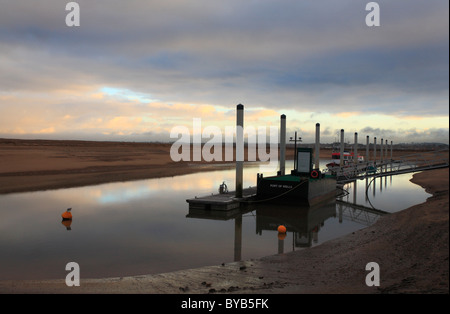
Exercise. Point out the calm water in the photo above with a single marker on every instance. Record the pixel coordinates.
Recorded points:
(145, 227)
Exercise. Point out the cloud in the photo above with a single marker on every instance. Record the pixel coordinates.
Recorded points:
(46, 130)
(347, 114)
(170, 61)
(417, 135)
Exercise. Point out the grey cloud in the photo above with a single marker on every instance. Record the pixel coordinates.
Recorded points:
(438, 135)
(305, 55)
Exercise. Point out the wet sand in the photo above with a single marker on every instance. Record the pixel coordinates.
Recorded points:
(33, 165)
(30, 165)
(411, 246)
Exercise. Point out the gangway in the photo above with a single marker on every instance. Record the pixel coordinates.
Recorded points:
(405, 164)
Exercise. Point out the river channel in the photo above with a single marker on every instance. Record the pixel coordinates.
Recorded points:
(146, 227)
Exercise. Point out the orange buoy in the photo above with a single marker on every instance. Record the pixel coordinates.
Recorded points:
(67, 215)
(281, 229)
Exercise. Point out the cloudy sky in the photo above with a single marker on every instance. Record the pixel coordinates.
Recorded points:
(135, 69)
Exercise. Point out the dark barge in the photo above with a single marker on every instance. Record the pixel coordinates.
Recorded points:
(305, 185)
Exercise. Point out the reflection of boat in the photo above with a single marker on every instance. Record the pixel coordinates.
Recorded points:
(303, 222)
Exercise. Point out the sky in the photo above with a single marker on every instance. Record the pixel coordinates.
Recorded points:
(134, 70)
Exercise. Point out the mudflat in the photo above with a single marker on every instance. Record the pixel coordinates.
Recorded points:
(31, 165)
(411, 246)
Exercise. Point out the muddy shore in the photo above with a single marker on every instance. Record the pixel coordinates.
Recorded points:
(34, 165)
(411, 246)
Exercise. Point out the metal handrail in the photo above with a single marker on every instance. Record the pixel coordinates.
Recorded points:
(406, 163)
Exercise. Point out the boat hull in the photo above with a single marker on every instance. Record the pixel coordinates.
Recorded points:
(295, 190)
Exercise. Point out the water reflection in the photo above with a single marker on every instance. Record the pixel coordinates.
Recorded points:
(146, 227)
(303, 223)
(67, 223)
(387, 193)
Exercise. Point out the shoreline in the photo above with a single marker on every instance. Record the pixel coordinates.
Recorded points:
(27, 165)
(35, 165)
(411, 247)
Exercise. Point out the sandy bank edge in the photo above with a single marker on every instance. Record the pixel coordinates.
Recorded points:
(410, 246)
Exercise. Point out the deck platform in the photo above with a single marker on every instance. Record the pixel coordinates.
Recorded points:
(226, 201)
